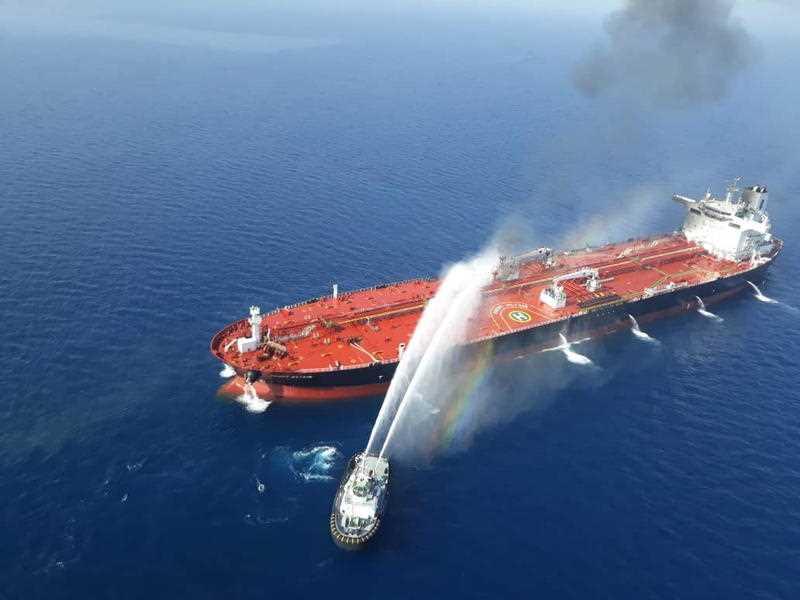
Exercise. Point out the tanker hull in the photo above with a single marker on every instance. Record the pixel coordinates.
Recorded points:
(373, 379)
(348, 345)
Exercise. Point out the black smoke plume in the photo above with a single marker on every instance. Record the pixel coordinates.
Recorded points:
(672, 53)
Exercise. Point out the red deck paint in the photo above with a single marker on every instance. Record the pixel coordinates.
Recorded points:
(366, 327)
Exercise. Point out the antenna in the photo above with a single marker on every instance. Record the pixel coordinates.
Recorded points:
(732, 188)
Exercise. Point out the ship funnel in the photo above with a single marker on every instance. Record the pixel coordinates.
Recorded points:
(755, 197)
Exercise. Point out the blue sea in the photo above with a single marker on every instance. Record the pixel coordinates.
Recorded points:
(163, 169)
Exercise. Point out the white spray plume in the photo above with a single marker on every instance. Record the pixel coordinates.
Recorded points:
(442, 325)
(434, 395)
(468, 279)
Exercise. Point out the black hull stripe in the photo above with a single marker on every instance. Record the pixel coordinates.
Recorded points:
(607, 318)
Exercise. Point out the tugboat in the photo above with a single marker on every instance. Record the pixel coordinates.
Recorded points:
(360, 501)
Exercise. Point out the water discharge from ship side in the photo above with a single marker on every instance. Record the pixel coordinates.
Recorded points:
(251, 400)
(701, 308)
(571, 355)
(639, 333)
(758, 295)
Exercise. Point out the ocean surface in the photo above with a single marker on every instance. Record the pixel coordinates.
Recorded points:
(158, 178)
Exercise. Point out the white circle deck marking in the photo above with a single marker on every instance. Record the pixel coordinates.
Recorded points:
(520, 316)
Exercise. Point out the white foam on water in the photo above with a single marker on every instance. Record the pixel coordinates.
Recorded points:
(252, 403)
(709, 315)
(135, 466)
(572, 356)
(315, 463)
(260, 486)
(639, 333)
(701, 308)
(256, 405)
(227, 372)
(759, 296)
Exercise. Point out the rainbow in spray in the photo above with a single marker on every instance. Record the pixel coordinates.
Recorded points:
(461, 416)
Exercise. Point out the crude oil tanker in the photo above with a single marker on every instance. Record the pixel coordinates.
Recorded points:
(347, 345)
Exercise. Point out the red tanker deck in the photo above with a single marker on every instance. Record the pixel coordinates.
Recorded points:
(366, 327)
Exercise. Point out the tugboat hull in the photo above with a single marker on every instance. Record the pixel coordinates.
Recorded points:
(351, 543)
(360, 502)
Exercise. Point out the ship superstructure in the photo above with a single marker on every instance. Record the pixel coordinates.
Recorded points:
(735, 227)
(349, 344)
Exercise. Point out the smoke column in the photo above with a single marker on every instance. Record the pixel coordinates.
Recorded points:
(672, 53)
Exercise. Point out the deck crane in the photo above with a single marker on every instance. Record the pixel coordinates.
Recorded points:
(554, 294)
